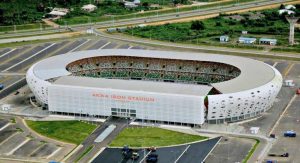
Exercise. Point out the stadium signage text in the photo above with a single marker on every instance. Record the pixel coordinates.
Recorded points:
(124, 98)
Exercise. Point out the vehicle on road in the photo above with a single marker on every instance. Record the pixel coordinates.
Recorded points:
(278, 155)
(289, 134)
(271, 161)
(1, 86)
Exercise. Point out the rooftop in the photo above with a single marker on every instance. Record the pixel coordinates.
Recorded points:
(135, 85)
(253, 73)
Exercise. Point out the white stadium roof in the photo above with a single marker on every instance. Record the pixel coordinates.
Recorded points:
(135, 85)
(253, 73)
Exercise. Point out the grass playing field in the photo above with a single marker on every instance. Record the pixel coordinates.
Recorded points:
(151, 136)
(67, 131)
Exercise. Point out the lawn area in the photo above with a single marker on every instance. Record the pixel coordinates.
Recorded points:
(67, 131)
(151, 136)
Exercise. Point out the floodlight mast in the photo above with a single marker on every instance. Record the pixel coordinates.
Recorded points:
(292, 21)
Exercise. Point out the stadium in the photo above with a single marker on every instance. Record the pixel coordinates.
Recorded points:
(155, 86)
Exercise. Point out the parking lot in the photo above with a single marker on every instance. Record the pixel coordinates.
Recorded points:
(19, 59)
(191, 153)
(18, 142)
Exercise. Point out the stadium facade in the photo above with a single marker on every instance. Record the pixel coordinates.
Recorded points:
(155, 86)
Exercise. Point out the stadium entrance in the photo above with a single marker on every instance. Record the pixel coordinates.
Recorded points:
(126, 113)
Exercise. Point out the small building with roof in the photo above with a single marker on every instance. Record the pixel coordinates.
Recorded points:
(247, 40)
(130, 5)
(224, 38)
(290, 7)
(89, 8)
(289, 12)
(267, 41)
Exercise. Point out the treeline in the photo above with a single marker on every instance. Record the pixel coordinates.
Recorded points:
(29, 11)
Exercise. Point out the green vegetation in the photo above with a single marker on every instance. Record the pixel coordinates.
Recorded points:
(251, 151)
(68, 131)
(19, 129)
(151, 136)
(12, 120)
(267, 24)
(86, 151)
(23, 27)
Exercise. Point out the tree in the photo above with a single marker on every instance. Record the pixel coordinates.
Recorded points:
(218, 24)
(197, 25)
(282, 7)
(145, 4)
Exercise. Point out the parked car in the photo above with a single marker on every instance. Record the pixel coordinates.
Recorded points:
(272, 136)
(135, 156)
(298, 91)
(290, 133)
(271, 161)
(152, 158)
(1, 86)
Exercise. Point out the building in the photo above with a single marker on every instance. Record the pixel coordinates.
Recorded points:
(267, 41)
(155, 86)
(59, 12)
(130, 4)
(224, 38)
(89, 8)
(290, 7)
(247, 40)
(289, 12)
(244, 32)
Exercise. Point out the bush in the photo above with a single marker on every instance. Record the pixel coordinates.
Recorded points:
(197, 25)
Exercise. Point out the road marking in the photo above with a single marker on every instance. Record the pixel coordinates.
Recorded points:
(145, 156)
(212, 149)
(28, 57)
(79, 45)
(2, 128)
(182, 153)
(275, 64)
(71, 154)
(9, 138)
(12, 74)
(53, 153)
(288, 69)
(97, 154)
(39, 147)
(7, 53)
(17, 147)
(11, 85)
(104, 45)
(282, 114)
